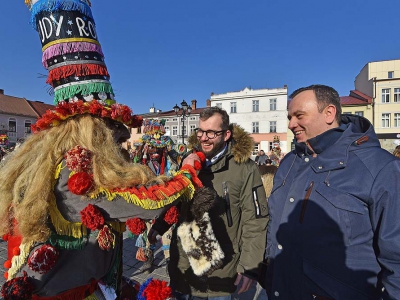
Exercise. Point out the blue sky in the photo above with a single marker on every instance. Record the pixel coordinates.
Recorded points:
(161, 52)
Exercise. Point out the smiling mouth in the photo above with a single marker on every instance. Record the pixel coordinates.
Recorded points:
(298, 132)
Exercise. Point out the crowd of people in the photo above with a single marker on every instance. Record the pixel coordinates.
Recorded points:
(302, 229)
(320, 222)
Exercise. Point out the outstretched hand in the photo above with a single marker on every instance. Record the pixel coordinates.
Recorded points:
(152, 236)
(246, 283)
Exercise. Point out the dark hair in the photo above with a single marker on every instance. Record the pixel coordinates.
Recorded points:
(325, 95)
(210, 111)
(396, 151)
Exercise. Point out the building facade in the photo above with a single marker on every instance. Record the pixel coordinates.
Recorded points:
(17, 115)
(380, 80)
(261, 112)
(176, 127)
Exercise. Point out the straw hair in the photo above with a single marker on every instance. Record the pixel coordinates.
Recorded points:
(27, 175)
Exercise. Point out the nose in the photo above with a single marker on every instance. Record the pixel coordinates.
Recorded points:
(203, 137)
(292, 124)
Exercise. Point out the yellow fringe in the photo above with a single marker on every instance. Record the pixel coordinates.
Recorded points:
(18, 261)
(91, 297)
(148, 203)
(28, 3)
(62, 226)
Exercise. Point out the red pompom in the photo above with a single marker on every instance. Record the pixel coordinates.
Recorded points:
(79, 159)
(202, 156)
(16, 251)
(106, 238)
(5, 237)
(43, 259)
(172, 215)
(6, 277)
(17, 288)
(7, 264)
(136, 226)
(197, 165)
(157, 290)
(91, 217)
(80, 183)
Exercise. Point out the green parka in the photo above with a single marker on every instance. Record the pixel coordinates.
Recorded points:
(243, 242)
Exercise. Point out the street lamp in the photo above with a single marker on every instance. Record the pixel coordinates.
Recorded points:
(183, 112)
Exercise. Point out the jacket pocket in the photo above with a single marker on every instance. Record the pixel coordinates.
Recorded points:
(353, 216)
(333, 286)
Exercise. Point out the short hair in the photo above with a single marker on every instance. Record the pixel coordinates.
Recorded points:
(210, 111)
(396, 151)
(325, 95)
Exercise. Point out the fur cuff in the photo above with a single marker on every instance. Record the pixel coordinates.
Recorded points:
(201, 246)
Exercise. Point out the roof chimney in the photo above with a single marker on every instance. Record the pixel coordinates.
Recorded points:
(1, 92)
(194, 101)
(208, 103)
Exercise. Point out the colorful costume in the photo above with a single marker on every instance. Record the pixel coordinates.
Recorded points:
(68, 193)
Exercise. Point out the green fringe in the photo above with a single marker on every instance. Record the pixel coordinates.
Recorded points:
(84, 89)
(66, 242)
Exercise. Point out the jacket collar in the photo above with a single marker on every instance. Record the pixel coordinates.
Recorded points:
(355, 133)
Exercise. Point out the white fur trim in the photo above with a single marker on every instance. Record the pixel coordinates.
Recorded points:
(189, 233)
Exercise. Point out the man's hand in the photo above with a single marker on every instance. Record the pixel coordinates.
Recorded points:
(246, 283)
(152, 236)
(190, 159)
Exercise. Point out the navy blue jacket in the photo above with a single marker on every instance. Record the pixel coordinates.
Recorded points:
(334, 228)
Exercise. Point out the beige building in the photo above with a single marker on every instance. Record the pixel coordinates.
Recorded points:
(380, 80)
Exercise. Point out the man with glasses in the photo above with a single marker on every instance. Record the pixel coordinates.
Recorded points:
(238, 217)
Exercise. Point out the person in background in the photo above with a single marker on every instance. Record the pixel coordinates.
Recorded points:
(257, 157)
(262, 158)
(335, 204)
(231, 225)
(396, 151)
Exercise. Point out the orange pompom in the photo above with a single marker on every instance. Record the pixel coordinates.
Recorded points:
(16, 251)
(7, 264)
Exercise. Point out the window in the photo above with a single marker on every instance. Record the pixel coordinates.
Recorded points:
(256, 149)
(397, 120)
(390, 74)
(139, 130)
(397, 95)
(28, 126)
(218, 105)
(272, 126)
(192, 118)
(166, 128)
(359, 113)
(255, 105)
(192, 127)
(272, 104)
(385, 95)
(175, 119)
(233, 107)
(385, 120)
(12, 125)
(255, 127)
(174, 130)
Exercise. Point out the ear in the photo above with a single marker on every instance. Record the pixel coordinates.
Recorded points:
(330, 114)
(228, 134)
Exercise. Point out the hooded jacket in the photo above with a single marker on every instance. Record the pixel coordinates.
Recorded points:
(243, 240)
(334, 230)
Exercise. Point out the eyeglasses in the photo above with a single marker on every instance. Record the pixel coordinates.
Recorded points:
(211, 134)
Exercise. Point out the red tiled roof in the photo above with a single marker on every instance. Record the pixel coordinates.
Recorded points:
(362, 96)
(39, 107)
(348, 100)
(16, 106)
